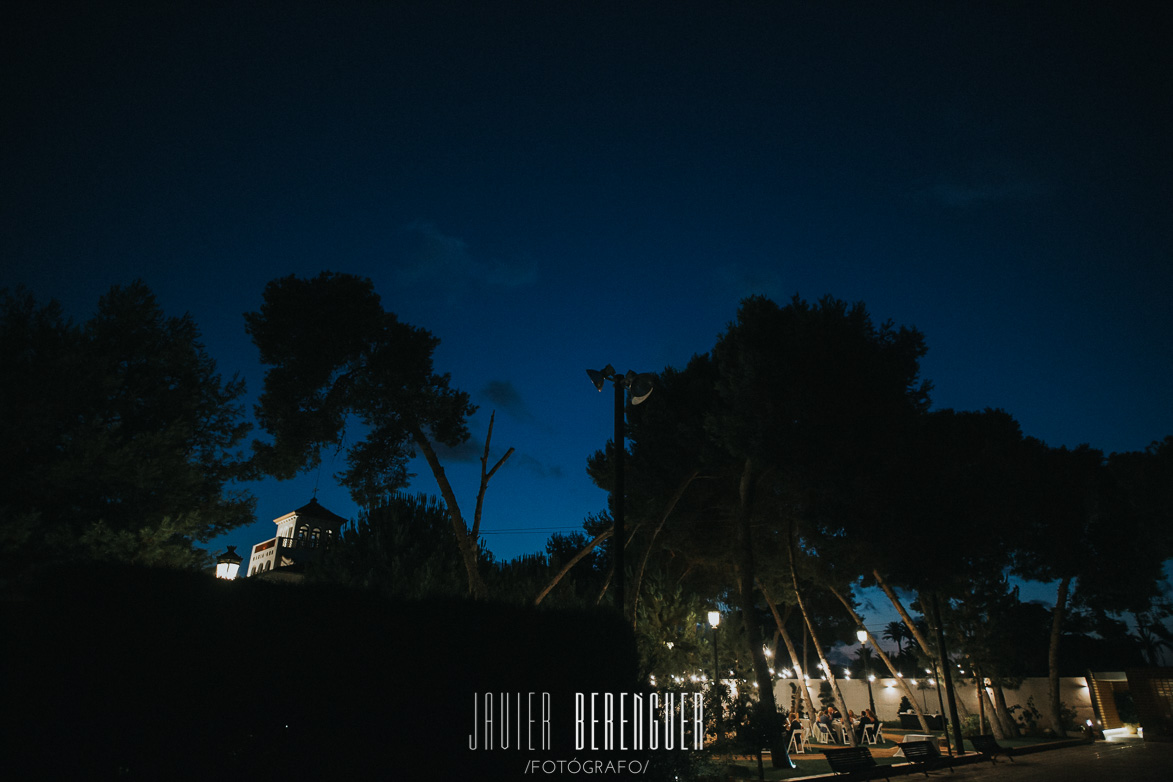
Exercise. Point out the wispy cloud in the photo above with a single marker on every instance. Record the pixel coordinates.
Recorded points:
(528, 463)
(739, 282)
(429, 255)
(468, 451)
(987, 182)
(503, 395)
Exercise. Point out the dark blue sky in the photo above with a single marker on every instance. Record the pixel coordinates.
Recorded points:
(554, 186)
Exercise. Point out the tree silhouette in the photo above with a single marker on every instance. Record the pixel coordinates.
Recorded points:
(334, 353)
(120, 438)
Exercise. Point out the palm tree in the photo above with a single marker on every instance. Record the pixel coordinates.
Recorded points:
(896, 632)
(1154, 636)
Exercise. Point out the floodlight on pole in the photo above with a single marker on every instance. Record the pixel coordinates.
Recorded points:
(640, 387)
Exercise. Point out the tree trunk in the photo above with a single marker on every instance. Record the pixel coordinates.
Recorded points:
(486, 474)
(643, 563)
(1009, 724)
(981, 701)
(946, 674)
(916, 636)
(1053, 704)
(767, 707)
(466, 544)
(840, 703)
(996, 727)
(900, 680)
(573, 561)
(913, 630)
(806, 695)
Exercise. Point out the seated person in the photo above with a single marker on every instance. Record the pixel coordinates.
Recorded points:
(865, 719)
(827, 719)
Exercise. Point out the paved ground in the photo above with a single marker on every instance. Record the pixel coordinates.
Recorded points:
(1104, 761)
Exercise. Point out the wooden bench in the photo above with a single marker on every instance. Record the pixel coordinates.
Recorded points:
(856, 762)
(989, 746)
(925, 755)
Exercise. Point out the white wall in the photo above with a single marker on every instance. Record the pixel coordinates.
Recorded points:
(1073, 692)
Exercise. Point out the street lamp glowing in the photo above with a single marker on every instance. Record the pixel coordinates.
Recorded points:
(862, 635)
(714, 618)
(228, 564)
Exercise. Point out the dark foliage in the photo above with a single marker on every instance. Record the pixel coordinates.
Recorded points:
(119, 438)
(161, 674)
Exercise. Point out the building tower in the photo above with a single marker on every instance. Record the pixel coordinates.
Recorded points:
(302, 536)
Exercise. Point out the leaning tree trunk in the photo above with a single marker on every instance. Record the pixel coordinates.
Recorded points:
(643, 563)
(466, 543)
(900, 680)
(767, 707)
(839, 701)
(946, 675)
(573, 561)
(996, 725)
(1054, 706)
(790, 648)
(916, 636)
(1009, 724)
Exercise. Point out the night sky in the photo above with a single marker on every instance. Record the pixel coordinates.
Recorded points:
(548, 187)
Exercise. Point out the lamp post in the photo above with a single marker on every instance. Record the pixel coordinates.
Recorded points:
(714, 620)
(228, 564)
(862, 635)
(641, 387)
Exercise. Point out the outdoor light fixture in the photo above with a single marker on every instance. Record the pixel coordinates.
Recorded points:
(228, 564)
(640, 386)
(862, 635)
(714, 620)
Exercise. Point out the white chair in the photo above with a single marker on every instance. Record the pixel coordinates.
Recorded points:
(871, 733)
(823, 733)
(798, 741)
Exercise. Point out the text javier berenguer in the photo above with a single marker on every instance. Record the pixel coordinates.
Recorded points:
(602, 721)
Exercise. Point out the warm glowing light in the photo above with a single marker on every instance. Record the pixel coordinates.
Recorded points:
(914, 682)
(933, 682)
(862, 635)
(227, 570)
(228, 564)
(714, 618)
(871, 677)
